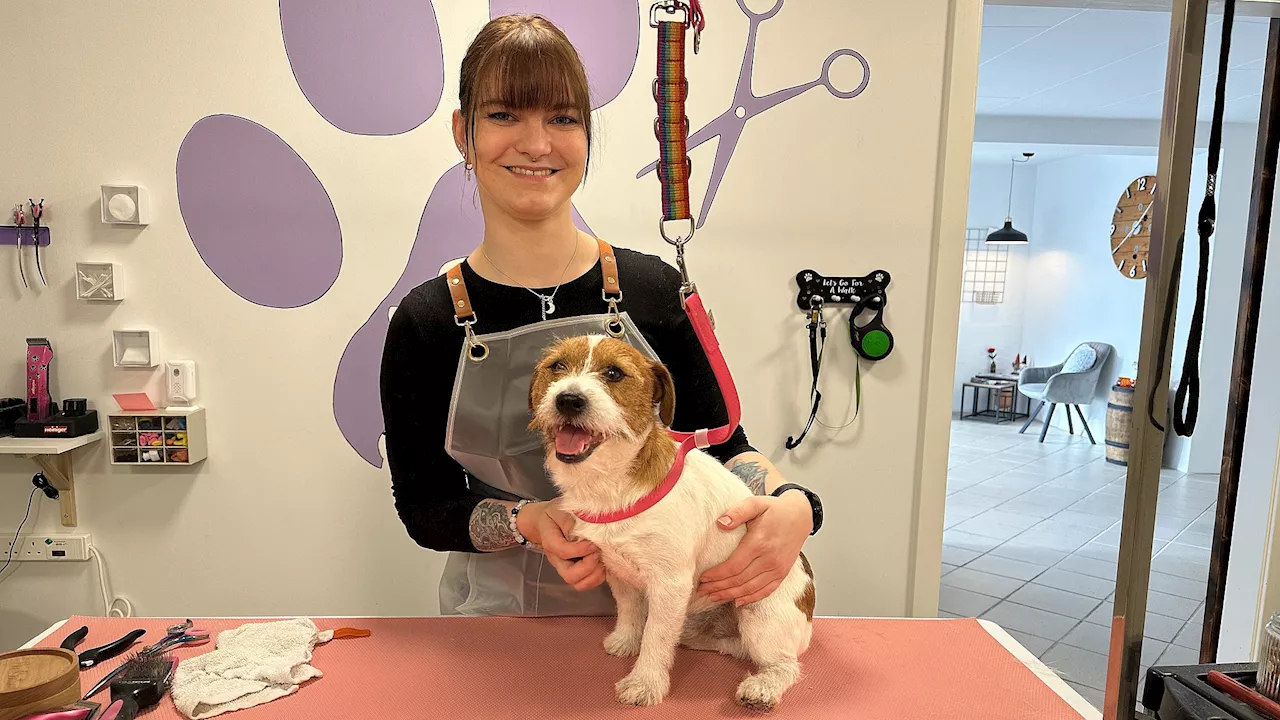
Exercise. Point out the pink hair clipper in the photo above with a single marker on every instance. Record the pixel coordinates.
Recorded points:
(39, 360)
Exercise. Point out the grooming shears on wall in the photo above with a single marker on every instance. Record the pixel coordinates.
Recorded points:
(20, 219)
(37, 212)
(746, 105)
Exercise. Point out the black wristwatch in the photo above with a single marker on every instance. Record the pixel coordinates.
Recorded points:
(814, 502)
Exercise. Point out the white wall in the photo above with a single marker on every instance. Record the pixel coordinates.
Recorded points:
(284, 518)
(1000, 325)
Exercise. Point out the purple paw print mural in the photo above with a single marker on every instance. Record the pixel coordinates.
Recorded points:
(259, 217)
(263, 223)
(369, 67)
(746, 104)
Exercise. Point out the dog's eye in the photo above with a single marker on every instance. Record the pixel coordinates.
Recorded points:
(559, 366)
(613, 374)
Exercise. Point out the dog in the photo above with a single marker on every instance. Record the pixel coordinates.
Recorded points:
(602, 409)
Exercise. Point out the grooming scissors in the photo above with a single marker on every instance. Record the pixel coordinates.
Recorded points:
(19, 219)
(37, 212)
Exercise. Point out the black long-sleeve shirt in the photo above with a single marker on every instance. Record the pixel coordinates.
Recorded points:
(420, 360)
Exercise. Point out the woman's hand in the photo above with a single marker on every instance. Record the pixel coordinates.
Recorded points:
(544, 524)
(776, 530)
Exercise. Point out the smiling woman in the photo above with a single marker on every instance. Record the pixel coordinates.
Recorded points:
(468, 474)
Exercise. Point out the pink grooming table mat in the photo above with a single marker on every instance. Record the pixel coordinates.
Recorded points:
(451, 668)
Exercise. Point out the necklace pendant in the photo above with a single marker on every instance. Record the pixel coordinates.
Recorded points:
(548, 305)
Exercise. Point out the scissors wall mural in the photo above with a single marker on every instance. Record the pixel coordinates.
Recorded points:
(384, 75)
(746, 104)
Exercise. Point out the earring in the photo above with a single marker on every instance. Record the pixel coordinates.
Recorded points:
(466, 171)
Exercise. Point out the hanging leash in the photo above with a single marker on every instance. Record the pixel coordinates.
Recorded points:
(1187, 398)
(673, 18)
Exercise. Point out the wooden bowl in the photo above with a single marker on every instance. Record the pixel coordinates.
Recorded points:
(36, 680)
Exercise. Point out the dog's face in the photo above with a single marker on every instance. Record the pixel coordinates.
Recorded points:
(590, 390)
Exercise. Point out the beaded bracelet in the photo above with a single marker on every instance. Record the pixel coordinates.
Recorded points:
(515, 530)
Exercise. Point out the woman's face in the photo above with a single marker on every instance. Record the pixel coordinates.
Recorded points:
(528, 163)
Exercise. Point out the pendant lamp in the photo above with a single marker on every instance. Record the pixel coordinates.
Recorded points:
(1007, 235)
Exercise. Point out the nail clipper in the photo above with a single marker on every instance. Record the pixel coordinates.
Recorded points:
(37, 212)
(19, 219)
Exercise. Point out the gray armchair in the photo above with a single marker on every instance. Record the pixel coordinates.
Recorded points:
(1069, 383)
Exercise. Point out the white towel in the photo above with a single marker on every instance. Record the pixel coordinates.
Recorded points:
(253, 664)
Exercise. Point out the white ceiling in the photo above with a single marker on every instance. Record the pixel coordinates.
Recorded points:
(1101, 63)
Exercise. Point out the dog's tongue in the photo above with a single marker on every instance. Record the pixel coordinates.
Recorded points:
(572, 440)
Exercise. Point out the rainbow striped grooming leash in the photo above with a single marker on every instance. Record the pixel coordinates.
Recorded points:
(673, 18)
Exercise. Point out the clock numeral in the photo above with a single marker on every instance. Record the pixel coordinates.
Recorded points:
(1113, 228)
(1133, 271)
(1142, 183)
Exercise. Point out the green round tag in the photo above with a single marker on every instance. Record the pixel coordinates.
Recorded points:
(875, 343)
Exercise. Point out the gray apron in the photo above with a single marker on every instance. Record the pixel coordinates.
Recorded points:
(488, 435)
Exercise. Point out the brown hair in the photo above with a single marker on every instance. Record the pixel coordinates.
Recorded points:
(523, 62)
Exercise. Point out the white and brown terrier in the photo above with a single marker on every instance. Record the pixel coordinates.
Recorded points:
(602, 408)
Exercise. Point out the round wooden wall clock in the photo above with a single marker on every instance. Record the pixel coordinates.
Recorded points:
(1131, 227)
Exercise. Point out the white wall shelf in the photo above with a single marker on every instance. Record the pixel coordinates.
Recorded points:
(53, 455)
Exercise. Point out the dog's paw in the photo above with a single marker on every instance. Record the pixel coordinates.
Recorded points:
(642, 689)
(756, 692)
(622, 644)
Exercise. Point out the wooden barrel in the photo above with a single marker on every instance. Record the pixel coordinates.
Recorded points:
(32, 681)
(1119, 417)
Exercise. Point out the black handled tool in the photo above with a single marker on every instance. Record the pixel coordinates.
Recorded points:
(93, 656)
(75, 638)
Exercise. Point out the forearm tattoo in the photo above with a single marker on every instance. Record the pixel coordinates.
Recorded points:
(490, 527)
(753, 475)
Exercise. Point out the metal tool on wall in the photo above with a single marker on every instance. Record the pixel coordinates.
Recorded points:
(37, 212)
(871, 339)
(19, 234)
(20, 219)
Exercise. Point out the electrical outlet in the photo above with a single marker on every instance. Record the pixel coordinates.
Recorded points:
(45, 548)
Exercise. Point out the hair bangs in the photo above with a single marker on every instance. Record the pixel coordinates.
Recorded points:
(528, 72)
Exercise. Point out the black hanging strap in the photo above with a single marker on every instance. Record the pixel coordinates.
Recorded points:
(817, 344)
(1187, 397)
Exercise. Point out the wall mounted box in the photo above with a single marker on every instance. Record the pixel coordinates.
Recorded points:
(135, 348)
(100, 281)
(125, 205)
(157, 437)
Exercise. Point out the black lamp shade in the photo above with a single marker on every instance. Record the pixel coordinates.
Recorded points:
(1007, 235)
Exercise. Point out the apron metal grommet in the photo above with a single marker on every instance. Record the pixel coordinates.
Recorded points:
(478, 352)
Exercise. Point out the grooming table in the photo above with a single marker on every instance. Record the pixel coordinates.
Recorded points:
(451, 667)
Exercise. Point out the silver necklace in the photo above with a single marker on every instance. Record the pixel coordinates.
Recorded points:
(548, 301)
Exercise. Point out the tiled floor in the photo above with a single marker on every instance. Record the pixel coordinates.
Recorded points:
(1031, 541)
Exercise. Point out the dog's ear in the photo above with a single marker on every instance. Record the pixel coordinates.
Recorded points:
(535, 381)
(664, 393)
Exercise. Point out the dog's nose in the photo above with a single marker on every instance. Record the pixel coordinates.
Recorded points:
(571, 403)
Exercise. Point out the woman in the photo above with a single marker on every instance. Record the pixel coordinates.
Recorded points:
(461, 456)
